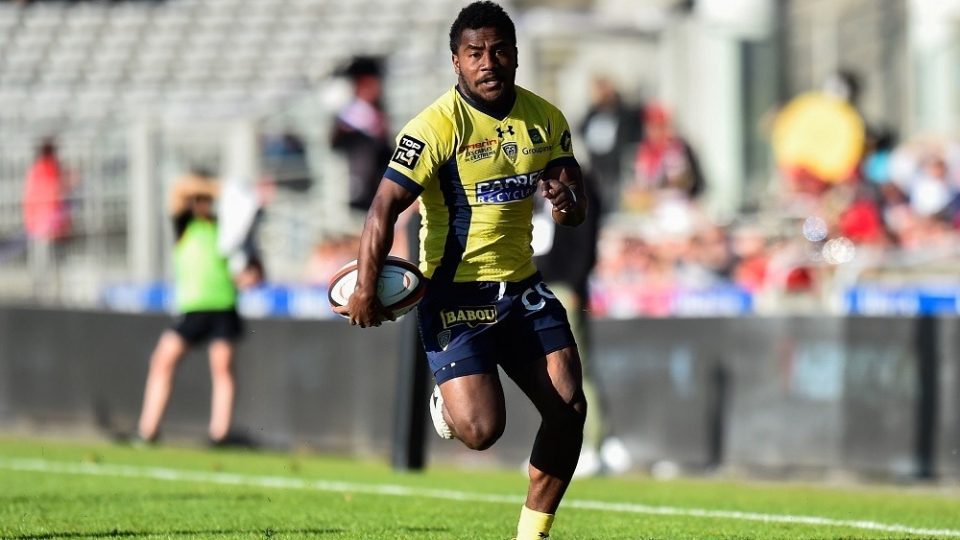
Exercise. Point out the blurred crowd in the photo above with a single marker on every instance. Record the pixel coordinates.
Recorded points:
(855, 194)
(843, 194)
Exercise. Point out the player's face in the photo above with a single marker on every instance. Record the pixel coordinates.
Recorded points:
(486, 64)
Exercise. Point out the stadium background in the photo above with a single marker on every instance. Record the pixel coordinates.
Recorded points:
(855, 374)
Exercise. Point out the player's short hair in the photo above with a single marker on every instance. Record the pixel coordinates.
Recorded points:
(478, 15)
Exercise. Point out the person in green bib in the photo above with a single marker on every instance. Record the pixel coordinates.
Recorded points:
(206, 298)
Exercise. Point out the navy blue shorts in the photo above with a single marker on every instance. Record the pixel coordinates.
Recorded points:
(469, 328)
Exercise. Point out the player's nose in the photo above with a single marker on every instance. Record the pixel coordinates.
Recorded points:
(488, 60)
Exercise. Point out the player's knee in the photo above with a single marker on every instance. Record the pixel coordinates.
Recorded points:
(575, 413)
(480, 435)
(570, 416)
(579, 408)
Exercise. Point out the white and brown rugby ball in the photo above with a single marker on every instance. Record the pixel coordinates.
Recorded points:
(400, 287)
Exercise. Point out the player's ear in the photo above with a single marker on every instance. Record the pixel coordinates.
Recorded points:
(456, 64)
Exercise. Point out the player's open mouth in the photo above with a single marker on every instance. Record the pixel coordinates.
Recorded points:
(490, 84)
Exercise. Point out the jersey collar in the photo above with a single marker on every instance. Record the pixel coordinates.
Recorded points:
(485, 109)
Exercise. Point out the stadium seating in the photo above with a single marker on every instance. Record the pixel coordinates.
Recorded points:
(84, 71)
(84, 67)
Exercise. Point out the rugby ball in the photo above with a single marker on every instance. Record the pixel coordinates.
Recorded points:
(400, 287)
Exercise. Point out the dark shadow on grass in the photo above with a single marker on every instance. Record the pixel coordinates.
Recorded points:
(424, 529)
(116, 533)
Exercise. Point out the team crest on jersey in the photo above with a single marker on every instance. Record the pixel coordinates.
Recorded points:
(443, 339)
(408, 152)
(510, 149)
(472, 316)
(535, 136)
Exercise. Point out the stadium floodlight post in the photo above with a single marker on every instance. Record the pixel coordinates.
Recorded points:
(410, 414)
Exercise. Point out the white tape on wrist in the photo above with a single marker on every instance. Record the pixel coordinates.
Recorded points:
(572, 195)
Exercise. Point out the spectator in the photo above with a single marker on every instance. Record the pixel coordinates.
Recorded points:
(752, 258)
(206, 298)
(608, 129)
(862, 221)
(710, 255)
(46, 212)
(877, 162)
(46, 218)
(931, 191)
(664, 160)
(360, 132)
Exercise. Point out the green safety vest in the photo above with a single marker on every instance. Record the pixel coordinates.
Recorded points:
(202, 278)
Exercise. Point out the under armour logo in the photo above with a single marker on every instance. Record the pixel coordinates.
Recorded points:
(500, 131)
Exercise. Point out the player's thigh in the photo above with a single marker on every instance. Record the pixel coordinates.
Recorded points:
(475, 400)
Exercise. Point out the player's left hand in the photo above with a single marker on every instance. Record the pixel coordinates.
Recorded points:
(559, 194)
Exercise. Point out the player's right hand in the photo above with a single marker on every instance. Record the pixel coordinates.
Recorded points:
(364, 309)
(560, 195)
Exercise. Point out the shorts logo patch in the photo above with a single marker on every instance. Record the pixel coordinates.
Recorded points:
(408, 152)
(510, 149)
(443, 339)
(535, 137)
(535, 298)
(472, 316)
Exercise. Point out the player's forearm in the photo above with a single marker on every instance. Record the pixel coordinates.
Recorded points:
(375, 244)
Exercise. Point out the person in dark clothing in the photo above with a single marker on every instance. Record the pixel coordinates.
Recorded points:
(608, 130)
(361, 132)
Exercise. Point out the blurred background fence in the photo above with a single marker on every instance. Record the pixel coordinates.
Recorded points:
(778, 396)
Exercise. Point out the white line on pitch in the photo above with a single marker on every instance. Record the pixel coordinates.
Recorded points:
(160, 473)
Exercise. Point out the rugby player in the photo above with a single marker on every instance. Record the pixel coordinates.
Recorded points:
(476, 158)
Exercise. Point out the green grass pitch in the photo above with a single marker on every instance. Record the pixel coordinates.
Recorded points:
(59, 490)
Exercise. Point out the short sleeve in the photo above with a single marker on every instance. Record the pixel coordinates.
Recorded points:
(421, 150)
(561, 142)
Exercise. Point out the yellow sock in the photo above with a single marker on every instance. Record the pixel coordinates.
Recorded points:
(533, 525)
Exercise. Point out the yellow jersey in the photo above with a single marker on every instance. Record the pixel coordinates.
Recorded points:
(476, 175)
